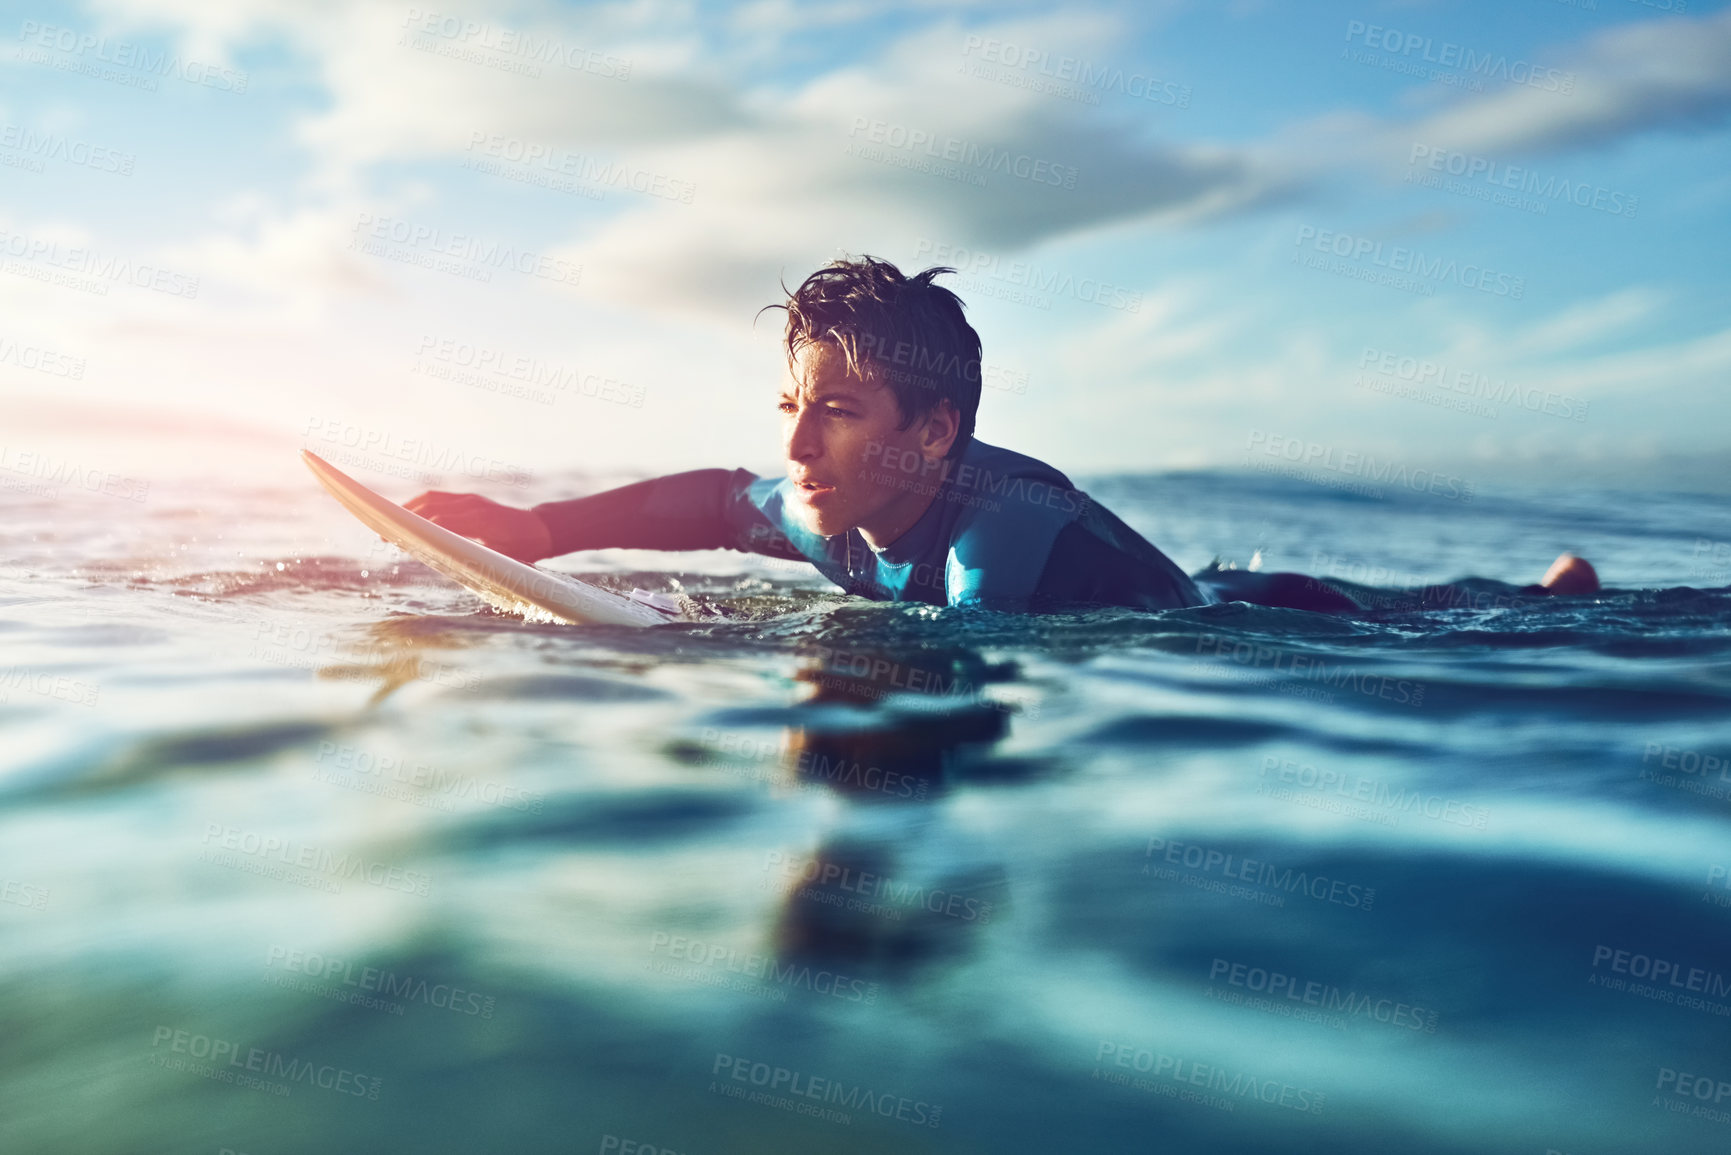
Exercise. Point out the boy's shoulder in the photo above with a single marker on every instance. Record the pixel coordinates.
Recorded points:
(1008, 487)
(1013, 508)
(982, 457)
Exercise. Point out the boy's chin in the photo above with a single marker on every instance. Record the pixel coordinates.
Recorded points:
(823, 522)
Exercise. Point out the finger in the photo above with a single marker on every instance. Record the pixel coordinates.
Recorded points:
(444, 504)
(446, 501)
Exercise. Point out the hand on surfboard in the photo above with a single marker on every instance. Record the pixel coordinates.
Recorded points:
(517, 533)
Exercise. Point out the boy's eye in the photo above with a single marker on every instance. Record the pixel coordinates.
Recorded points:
(787, 407)
(840, 412)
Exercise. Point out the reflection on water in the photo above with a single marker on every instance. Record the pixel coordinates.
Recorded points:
(858, 898)
(393, 652)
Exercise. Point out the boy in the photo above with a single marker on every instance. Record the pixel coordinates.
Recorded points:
(888, 493)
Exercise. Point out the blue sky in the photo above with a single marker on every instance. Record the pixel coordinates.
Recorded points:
(1352, 227)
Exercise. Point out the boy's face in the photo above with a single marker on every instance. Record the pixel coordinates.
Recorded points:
(849, 464)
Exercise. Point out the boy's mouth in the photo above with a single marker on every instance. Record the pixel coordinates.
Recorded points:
(812, 490)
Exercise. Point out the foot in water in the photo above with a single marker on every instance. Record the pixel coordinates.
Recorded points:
(1570, 575)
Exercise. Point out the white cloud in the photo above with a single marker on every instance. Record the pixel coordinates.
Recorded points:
(875, 157)
(1589, 322)
(777, 188)
(1699, 363)
(1669, 73)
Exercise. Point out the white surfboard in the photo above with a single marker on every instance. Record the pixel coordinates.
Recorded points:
(504, 582)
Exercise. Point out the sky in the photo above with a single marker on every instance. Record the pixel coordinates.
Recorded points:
(1488, 238)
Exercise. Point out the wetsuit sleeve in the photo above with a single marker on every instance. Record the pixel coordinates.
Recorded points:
(1293, 591)
(701, 509)
(1296, 591)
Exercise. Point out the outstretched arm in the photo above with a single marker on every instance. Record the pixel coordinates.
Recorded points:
(517, 533)
(680, 511)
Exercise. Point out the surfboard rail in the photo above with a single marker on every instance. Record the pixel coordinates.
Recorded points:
(502, 581)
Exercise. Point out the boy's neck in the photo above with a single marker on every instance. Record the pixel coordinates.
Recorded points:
(900, 516)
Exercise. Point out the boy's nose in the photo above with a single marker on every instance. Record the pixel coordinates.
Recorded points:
(803, 439)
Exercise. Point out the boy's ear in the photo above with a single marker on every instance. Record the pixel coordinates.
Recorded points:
(942, 425)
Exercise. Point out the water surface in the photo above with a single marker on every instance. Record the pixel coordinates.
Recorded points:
(307, 850)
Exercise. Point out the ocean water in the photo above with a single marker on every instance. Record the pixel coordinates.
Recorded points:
(305, 850)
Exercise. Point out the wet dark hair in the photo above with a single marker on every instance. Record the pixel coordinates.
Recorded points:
(908, 331)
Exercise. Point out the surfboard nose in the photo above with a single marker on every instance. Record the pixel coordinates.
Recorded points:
(324, 471)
